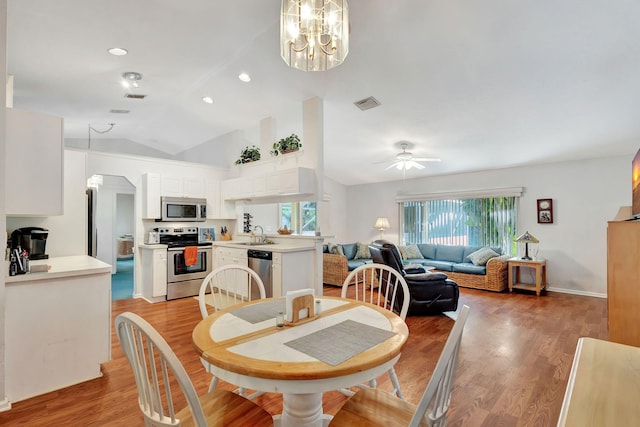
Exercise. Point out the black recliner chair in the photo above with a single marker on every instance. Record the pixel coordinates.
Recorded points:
(431, 293)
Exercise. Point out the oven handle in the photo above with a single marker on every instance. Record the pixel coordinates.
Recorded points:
(200, 249)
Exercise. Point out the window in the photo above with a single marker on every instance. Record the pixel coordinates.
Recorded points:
(487, 221)
(298, 216)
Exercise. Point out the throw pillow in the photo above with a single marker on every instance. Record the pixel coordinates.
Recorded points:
(482, 255)
(363, 251)
(413, 252)
(335, 249)
(403, 252)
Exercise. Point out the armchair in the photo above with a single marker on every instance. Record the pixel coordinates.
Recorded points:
(430, 293)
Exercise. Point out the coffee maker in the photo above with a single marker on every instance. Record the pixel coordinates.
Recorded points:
(31, 239)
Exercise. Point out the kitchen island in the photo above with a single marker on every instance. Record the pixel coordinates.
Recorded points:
(296, 262)
(58, 325)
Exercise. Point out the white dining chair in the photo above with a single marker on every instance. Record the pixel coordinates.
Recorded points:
(383, 286)
(373, 407)
(228, 285)
(157, 369)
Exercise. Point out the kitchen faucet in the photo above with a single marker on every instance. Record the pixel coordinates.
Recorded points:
(261, 233)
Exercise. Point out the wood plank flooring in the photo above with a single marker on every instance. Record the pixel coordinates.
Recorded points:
(515, 360)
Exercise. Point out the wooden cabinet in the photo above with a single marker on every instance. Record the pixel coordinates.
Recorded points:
(153, 260)
(33, 164)
(623, 281)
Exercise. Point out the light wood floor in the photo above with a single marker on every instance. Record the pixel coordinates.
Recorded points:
(515, 359)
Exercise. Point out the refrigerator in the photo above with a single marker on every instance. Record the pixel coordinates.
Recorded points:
(92, 231)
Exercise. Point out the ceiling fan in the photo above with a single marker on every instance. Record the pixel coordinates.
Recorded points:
(405, 160)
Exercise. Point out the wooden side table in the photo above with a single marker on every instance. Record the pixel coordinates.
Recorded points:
(540, 267)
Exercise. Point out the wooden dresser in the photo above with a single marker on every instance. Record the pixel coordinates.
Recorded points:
(623, 281)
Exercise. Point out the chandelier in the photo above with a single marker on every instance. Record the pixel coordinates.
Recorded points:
(314, 34)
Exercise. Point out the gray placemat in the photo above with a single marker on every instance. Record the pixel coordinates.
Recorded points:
(340, 342)
(260, 312)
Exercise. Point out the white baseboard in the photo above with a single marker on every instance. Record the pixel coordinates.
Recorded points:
(574, 292)
(5, 405)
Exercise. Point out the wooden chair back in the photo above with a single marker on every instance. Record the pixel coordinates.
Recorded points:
(228, 285)
(380, 285)
(155, 368)
(436, 398)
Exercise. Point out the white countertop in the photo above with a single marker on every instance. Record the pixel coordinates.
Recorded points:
(153, 246)
(275, 247)
(78, 265)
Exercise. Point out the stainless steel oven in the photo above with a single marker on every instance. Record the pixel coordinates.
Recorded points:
(184, 280)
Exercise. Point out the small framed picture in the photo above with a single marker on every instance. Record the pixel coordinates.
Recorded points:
(545, 211)
(206, 234)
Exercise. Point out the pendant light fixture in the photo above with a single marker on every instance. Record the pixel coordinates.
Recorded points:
(314, 34)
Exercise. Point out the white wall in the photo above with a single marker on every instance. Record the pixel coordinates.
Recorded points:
(586, 194)
(334, 221)
(4, 405)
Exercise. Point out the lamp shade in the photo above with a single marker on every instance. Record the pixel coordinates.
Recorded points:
(382, 223)
(527, 238)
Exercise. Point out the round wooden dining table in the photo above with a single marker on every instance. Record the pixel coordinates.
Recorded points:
(301, 361)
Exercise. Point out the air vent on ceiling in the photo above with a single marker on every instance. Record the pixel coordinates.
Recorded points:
(134, 96)
(117, 111)
(367, 103)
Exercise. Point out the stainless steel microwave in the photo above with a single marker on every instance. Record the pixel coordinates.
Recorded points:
(183, 209)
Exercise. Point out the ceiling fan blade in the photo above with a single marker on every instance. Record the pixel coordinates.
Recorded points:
(426, 159)
(394, 164)
(411, 164)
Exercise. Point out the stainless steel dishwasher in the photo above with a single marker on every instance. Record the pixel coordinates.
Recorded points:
(260, 262)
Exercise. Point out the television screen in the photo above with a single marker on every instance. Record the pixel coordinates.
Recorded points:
(635, 185)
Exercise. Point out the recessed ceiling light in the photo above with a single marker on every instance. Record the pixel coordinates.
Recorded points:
(118, 51)
(244, 77)
(207, 99)
(130, 79)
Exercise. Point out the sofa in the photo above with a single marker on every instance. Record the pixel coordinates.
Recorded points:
(453, 260)
(457, 262)
(338, 260)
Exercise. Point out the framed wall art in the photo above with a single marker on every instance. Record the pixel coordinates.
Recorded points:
(545, 211)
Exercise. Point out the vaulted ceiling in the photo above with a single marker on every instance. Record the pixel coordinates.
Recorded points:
(481, 85)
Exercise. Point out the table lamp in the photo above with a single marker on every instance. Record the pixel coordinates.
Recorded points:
(381, 224)
(527, 238)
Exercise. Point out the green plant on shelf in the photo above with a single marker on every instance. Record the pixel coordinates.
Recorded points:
(286, 145)
(249, 154)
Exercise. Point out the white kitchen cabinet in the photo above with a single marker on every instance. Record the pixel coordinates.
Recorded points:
(178, 186)
(295, 271)
(217, 207)
(58, 326)
(34, 164)
(297, 181)
(153, 259)
(225, 255)
(234, 256)
(151, 196)
(294, 181)
(236, 188)
(276, 274)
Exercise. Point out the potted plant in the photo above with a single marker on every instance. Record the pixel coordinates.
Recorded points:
(286, 145)
(249, 155)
